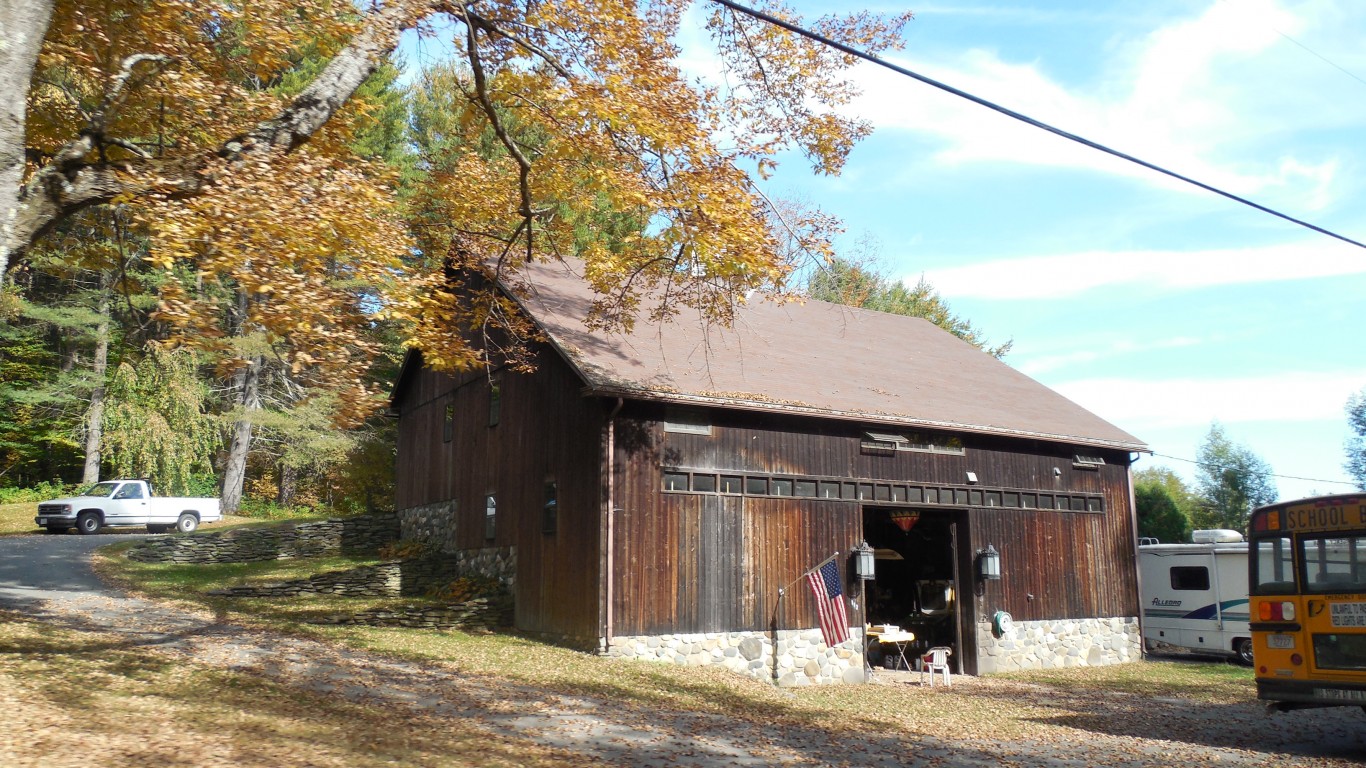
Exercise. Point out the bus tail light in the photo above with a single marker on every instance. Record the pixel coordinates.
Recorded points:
(1271, 611)
(1296, 659)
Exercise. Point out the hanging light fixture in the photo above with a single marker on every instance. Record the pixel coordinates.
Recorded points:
(905, 519)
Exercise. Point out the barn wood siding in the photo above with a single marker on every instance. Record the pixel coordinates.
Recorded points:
(677, 553)
(546, 431)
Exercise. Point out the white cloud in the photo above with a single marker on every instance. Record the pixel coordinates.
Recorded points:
(1185, 97)
(1138, 404)
(1040, 364)
(1050, 277)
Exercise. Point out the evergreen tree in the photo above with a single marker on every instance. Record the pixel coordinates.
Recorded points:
(859, 284)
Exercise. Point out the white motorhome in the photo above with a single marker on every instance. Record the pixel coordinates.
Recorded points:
(1195, 595)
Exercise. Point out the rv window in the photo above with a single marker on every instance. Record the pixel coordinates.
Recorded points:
(1190, 577)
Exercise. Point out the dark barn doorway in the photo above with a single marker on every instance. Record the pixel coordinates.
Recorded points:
(916, 586)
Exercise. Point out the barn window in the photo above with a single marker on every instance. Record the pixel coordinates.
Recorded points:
(805, 488)
(490, 517)
(704, 483)
(881, 443)
(550, 510)
(1190, 577)
(687, 421)
(732, 484)
(829, 490)
(933, 444)
(1087, 462)
(781, 487)
(756, 486)
(675, 481)
(448, 424)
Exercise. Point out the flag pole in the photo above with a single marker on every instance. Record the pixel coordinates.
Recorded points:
(778, 608)
(783, 590)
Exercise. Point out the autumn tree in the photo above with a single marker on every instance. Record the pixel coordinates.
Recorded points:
(234, 134)
(157, 424)
(1231, 482)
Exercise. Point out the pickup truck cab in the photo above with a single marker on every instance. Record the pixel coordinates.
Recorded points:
(125, 503)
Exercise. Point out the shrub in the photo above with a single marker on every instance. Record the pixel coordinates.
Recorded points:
(40, 492)
(269, 510)
(410, 549)
(468, 588)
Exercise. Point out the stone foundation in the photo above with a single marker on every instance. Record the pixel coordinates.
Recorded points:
(1058, 644)
(802, 656)
(432, 524)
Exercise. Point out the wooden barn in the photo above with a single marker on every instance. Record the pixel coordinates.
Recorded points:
(651, 494)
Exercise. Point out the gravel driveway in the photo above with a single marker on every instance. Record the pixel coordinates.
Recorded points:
(49, 577)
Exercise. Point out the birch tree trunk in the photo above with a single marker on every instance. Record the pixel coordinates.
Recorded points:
(94, 417)
(247, 382)
(23, 25)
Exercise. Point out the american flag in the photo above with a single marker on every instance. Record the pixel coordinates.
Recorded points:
(825, 585)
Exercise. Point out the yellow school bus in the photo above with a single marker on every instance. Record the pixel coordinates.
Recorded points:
(1307, 595)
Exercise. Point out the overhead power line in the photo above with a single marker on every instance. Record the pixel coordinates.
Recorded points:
(1271, 474)
(793, 28)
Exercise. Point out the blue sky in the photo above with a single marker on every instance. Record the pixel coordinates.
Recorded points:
(1159, 306)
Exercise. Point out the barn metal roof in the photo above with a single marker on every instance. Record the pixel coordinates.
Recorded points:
(811, 358)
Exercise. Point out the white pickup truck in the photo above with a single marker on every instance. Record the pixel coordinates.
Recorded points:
(122, 503)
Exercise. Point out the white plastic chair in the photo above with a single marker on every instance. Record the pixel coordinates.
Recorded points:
(935, 660)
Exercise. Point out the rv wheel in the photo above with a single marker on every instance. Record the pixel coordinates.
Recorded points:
(1243, 647)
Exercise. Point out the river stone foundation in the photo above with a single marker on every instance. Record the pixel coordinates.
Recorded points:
(1058, 644)
(801, 656)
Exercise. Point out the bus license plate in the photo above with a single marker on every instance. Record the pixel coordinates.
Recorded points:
(1348, 614)
(1280, 641)
(1339, 694)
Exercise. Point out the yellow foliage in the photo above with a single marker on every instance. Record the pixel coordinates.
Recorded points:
(567, 131)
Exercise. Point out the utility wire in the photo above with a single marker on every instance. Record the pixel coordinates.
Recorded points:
(793, 28)
(1318, 55)
(1271, 474)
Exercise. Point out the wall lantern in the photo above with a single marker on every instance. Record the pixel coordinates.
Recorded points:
(905, 519)
(989, 564)
(863, 562)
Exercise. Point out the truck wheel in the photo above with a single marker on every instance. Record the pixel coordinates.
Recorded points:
(88, 523)
(1243, 647)
(187, 523)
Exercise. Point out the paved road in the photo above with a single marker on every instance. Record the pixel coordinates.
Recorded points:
(48, 577)
(33, 566)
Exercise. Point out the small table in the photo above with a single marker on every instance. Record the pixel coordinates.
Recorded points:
(899, 640)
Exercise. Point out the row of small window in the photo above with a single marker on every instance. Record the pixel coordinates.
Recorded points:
(814, 488)
(550, 512)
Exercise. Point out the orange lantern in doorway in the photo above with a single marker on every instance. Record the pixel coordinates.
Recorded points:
(905, 519)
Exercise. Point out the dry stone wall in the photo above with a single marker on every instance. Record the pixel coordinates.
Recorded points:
(363, 533)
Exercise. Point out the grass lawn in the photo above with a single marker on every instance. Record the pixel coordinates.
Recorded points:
(1003, 706)
(75, 698)
(18, 518)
